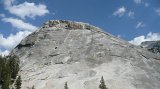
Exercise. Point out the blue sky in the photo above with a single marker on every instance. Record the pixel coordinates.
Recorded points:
(132, 20)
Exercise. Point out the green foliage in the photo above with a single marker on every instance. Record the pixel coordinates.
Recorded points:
(18, 83)
(33, 87)
(102, 84)
(9, 67)
(66, 86)
(14, 65)
(5, 73)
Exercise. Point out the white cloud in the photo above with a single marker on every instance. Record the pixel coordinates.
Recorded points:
(26, 9)
(150, 37)
(139, 25)
(17, 23)
(12, 40)
(157, 11)
(4, 53)
(23, 10)
(8, 3)
(138, 1)
(131, 14)
(120, 11)
(141, 2)
(146, 4)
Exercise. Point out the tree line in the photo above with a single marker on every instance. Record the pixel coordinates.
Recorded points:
(101, 86)
(9, 68)
(10, 79)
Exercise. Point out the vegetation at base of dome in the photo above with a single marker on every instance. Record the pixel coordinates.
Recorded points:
(18, 83)
(102, 84)
(9, 67)
(66, 86)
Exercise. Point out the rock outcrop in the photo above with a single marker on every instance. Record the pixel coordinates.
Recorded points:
(80, 54)
(152, 46)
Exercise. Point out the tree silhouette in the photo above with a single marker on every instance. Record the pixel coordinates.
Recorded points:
(9, 67)
(66, 86)
(5, 74)
(18, 83)
(102, 84)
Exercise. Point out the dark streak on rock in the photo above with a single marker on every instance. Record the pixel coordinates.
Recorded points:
(24, 45)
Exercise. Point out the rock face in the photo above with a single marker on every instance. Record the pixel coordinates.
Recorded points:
(152, 46)
(80, 54)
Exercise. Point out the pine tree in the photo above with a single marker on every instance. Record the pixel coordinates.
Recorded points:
(33, 87)
(66, 86)
(1, 67)
(9, 67)
(18, 83)
(6, 74)
(14, 65)
(102, 84)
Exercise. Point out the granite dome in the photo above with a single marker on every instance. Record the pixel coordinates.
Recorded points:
(80, 54)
